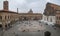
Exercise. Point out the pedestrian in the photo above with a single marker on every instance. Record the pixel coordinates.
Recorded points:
(47, 33)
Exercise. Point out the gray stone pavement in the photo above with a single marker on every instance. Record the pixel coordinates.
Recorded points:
(15, 32)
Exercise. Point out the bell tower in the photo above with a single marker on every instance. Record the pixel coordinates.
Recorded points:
(5, 5)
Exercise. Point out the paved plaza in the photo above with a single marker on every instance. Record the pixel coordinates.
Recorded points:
(30, 28)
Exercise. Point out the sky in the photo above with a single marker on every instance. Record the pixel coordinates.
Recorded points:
(24, 6)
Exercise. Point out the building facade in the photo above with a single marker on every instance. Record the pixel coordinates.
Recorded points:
(31, 16)
(49, 13)
(7, 17)
(58, 16)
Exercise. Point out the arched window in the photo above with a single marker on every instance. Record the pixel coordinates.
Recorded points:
(5, 17)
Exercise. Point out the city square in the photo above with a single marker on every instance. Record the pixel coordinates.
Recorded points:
(30, 18)
(31, 29)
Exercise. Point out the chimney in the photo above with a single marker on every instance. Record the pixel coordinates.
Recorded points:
(5, 5)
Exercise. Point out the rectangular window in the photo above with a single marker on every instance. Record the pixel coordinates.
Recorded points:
(51, 19)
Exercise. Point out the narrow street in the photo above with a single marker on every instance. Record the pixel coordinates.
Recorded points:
(35, 29)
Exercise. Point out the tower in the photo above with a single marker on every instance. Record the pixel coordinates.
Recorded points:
(17, 10)
(5, 5)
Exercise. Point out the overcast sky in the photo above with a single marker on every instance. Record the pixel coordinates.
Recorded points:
(37, 6)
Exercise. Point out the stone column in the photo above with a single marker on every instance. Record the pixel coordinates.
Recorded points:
(3, 25)
(3, 22)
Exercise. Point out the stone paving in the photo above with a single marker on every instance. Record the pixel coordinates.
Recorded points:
(33, 28)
